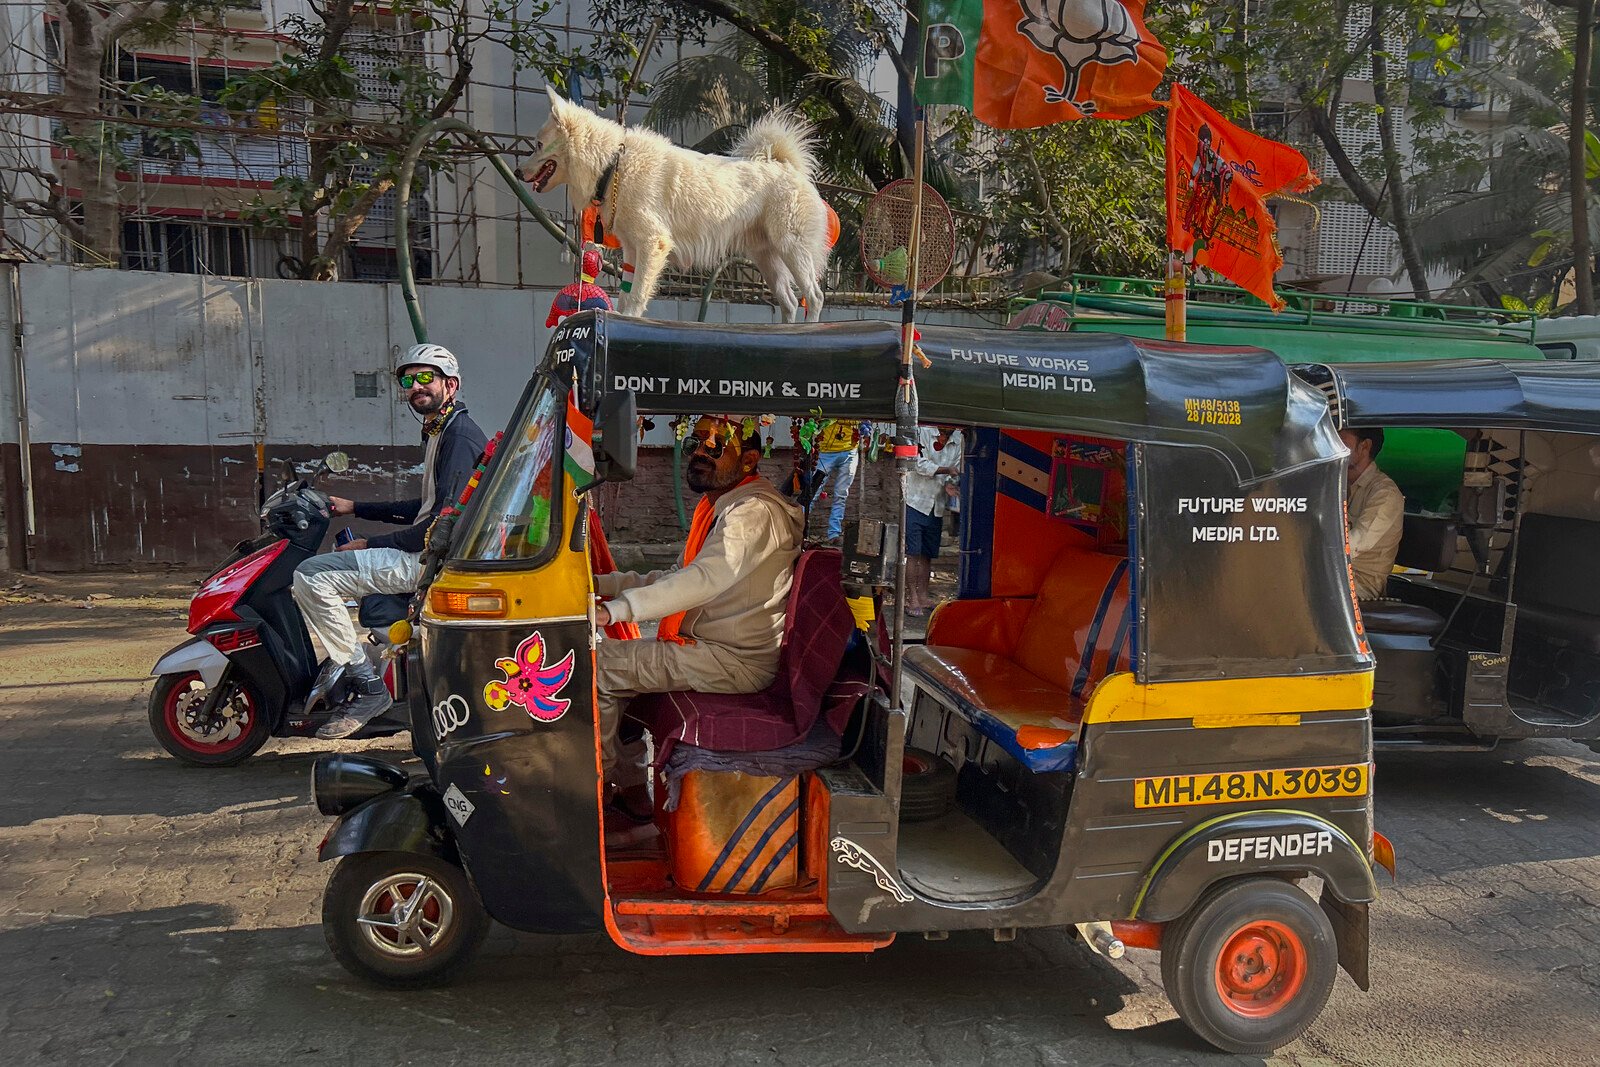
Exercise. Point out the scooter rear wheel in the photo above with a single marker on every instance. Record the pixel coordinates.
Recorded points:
(239, 725)
(401, 919)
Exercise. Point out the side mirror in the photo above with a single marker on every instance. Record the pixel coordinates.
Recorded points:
(616, 454)
(337, 462)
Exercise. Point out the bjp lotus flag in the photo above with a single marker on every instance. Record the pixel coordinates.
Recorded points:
(1218, 181)
(1016, 64)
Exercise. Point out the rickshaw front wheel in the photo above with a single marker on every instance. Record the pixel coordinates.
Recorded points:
(401, 919)
(1251, 966)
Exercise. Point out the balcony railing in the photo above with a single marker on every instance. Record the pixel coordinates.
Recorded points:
(219, 157)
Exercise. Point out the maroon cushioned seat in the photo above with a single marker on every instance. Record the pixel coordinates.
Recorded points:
(812, 682)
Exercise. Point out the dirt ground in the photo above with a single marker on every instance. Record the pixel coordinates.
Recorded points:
(156, 913)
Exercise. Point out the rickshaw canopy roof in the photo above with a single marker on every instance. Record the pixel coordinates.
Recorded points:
(1464, 393)
(1241, 402)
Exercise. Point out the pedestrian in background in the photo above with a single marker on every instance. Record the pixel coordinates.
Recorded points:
(837, 445)
(938, 461)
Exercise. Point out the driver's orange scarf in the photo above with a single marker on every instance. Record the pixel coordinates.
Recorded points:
(699, 530)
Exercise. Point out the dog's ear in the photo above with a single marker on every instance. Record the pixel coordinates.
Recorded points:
(558, 103)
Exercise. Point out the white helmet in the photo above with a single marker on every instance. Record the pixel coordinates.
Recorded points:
(436, 356)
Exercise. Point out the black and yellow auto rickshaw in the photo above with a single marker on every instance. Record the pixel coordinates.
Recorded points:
(1491, 630)
(1146, 715)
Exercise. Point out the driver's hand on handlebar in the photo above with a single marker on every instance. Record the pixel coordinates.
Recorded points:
(351, 546)
(602, 615)
(340, 506)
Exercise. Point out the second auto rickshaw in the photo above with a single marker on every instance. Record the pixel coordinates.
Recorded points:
(1145, 716)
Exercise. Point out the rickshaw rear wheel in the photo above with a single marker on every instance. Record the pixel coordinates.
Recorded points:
(400, 919)
(1251, 966)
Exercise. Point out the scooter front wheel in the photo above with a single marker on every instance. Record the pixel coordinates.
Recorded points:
(236, 727)
(401, 919)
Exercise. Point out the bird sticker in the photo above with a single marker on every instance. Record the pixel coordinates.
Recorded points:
(531, 683)
(1078, 33)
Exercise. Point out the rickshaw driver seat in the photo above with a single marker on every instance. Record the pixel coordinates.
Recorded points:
(1026, 688)
(809, 683)
(1426, 544)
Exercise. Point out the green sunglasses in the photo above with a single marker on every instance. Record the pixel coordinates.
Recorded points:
(421, 377)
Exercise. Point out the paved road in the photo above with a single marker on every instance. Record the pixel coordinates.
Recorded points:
(152, 913)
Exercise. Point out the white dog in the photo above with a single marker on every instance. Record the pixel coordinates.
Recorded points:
(661, 200)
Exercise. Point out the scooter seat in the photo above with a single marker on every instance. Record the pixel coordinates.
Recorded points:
(383, 609)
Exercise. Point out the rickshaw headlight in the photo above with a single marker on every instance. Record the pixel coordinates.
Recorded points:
(339, 783)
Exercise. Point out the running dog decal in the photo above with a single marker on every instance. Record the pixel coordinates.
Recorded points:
(853, 855)
(531, 683)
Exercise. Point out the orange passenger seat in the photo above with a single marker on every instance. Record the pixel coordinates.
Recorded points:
(1025, 690)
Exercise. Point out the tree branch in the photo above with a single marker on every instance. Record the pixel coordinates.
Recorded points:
(1045, 203)
(832, 92)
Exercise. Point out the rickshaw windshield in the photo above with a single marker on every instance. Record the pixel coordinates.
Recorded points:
(513, 521)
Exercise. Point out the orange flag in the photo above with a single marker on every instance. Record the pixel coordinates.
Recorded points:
(1218, 181)
(1023, 63)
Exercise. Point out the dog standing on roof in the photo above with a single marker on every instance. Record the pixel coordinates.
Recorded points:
(661, 201)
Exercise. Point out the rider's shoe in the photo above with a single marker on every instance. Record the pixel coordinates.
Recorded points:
(372, 699)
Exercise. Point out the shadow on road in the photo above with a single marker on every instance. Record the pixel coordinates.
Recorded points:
(174, 982)
(149, 782)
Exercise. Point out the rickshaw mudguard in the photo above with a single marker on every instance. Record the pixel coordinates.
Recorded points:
(1251, 843)
(411, 820)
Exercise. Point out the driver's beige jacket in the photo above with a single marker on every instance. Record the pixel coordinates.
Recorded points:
(735, 591)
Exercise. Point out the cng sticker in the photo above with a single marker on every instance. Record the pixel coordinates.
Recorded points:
(1240, 787)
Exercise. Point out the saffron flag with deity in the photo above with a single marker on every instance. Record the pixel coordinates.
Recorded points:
(1016, 64)
(1218, 181)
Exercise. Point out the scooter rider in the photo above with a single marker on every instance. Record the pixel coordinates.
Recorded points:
(429, 378)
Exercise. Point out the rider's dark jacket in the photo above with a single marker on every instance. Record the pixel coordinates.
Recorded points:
(453, 453)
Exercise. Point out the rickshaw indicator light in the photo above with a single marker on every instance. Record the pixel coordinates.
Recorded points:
(468, 603)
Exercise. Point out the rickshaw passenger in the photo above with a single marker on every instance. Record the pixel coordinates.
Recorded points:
(1376, 514)
(721, 608)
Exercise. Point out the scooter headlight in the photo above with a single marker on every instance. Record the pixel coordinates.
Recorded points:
(340, 783)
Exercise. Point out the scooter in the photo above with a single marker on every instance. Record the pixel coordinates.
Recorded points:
(250, 672)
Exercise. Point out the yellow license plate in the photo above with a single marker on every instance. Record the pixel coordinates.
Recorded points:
(1239, 787)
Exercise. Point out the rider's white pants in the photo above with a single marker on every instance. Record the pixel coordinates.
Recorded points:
(323, 583)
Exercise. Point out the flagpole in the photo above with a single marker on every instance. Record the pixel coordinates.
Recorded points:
(905, 402)
(1177, 297)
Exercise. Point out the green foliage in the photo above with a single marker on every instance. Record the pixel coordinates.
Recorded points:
(709, 99)
(1105, 187)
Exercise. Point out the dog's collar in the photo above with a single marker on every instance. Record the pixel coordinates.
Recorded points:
(604, 185)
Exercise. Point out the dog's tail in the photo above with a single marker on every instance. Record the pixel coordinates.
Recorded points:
(782, 137)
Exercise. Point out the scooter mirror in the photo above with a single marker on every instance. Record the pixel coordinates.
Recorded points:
(337, 462)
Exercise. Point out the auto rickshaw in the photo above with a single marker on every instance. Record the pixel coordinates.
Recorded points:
(1146, 716)
(1490, 630)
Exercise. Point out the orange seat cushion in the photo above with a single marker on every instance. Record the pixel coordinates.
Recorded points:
(1076, 632)
(1000, 698)
(1024, 687)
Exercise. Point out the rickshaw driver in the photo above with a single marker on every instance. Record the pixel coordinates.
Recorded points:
(722, 607)
(1376, 513)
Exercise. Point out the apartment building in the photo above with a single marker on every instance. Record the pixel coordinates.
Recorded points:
(1337, 246)
(187, 202)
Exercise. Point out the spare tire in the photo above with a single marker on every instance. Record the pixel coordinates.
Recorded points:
(927, 786)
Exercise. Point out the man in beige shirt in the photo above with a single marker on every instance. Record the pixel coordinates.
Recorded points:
(1376, 510)
(721, 609)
